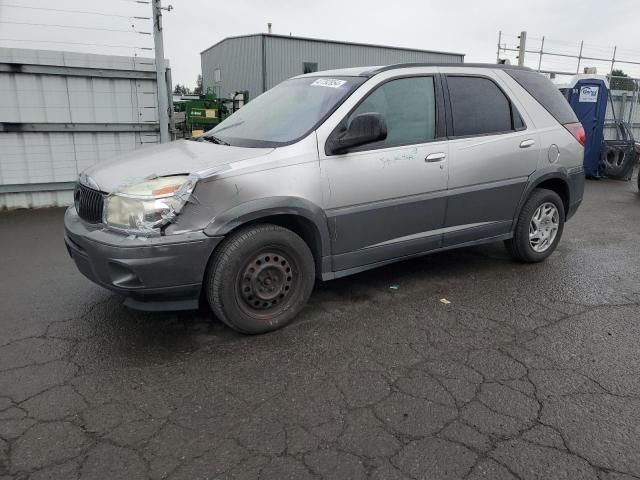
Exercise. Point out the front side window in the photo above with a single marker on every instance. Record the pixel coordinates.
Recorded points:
(285, 113)
(408, 106)
(479, 107)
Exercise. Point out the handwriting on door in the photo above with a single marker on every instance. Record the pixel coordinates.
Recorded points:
(389, 160)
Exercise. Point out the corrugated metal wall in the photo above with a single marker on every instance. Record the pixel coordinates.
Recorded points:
(285, 56)
(240, 63)
(240, 59)
(62, 112)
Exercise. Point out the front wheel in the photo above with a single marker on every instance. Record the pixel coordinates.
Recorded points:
(259, 279)
(539, 227)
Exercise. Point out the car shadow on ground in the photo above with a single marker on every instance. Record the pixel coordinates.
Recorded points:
(121, 334)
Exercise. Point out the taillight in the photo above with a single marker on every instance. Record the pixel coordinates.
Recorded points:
(577, 130)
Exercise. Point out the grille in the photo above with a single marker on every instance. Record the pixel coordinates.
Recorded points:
(89, 203)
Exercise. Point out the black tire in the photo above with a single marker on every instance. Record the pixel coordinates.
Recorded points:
(618, 161)
(260, 278)
(612, 160)
(519, 247)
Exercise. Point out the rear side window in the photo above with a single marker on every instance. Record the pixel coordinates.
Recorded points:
(545, 92)
(479, 107)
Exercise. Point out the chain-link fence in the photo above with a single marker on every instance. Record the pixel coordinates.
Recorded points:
(561, 60)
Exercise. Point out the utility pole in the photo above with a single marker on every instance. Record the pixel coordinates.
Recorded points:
(161, 79)
(613, 60)
(580, 57)
(522, 48)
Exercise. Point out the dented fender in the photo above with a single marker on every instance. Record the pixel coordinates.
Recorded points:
(283, 205)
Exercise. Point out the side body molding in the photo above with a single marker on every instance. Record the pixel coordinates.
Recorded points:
(282, 205)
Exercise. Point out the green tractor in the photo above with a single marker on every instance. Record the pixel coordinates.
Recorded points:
(204, 113)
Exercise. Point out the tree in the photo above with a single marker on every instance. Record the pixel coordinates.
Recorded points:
(621, 81)
(198, 89)
(181, 90)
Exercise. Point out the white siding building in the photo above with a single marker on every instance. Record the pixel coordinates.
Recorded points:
(61, 112)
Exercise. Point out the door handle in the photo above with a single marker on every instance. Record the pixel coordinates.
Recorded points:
(435, 157)
(527, 143)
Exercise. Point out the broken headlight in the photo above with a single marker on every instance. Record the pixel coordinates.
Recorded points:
(146, 207)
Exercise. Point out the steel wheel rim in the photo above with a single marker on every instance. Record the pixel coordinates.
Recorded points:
(265, 283)
(543, 228)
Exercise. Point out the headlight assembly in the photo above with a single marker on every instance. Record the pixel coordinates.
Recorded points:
(144, 208)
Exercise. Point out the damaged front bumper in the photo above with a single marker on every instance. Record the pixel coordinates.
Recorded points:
(152, 273)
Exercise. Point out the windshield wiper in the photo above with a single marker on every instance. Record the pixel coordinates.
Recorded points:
(216, 140)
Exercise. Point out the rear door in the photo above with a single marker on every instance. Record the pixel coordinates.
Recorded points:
(492, 152)
(387, 199)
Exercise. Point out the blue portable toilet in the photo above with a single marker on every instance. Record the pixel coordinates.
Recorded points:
(588, 95)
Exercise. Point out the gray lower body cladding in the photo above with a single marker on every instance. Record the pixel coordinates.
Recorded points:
(576, 192)
(163, 274)
(407, 226)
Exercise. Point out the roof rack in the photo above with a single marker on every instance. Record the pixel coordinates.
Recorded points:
(498, 66)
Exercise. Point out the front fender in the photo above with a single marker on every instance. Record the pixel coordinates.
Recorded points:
(261, 208)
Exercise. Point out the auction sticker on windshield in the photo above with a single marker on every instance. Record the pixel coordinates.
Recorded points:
(328, 82)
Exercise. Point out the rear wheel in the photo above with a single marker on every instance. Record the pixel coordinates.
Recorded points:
(260, 278)
(539, 227)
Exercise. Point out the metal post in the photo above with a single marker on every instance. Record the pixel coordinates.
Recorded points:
(580, 56)
(623, 105)
(613, 60)
(172, 117)
(522, 48)
(634, 100)
(499, 40)
(161, 81)
(541, 53)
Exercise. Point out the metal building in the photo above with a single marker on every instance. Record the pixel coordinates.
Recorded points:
(260, 61)
(61, 112)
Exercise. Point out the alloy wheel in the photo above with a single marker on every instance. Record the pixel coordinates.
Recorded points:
(543, 227)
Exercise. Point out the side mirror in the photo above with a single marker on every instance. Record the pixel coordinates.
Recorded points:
(364, 128)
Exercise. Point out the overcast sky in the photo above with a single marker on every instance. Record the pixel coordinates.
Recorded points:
(465, 26)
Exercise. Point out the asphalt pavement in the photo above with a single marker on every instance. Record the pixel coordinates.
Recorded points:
(457, 365)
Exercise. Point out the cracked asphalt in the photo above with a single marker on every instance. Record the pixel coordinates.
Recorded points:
(531, 371)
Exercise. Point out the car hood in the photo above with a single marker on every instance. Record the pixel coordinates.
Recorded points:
(174, 158)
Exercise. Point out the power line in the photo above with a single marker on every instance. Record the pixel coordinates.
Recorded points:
(73, 27)
(86, 12)
(75, 43)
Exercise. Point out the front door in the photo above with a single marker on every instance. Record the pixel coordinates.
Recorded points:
(387, 199)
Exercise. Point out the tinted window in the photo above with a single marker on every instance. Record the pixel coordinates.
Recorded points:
(518, 123)
(408, 106)
(545, 92)
(479, 107)
(286, 112)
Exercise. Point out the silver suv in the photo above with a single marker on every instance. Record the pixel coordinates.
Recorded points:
(330, 174)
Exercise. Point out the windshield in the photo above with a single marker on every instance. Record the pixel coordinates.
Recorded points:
(285, 113)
